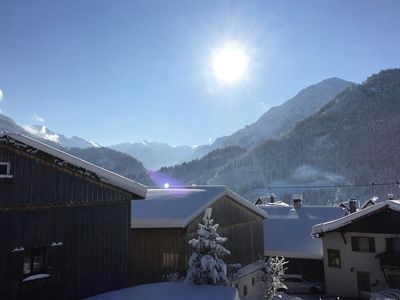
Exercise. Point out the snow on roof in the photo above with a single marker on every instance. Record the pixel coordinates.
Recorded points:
(287, 231)
(104, 175)
(369, 202)
(177, 207)
(251, 268)
(276, 203)
(340, 222)
(171, 291)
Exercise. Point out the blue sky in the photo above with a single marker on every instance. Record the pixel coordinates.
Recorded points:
(117, 71)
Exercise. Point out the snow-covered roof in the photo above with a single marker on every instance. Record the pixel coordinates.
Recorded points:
(276, 203)
(340, 222)
(104, 175)
(177, 207)
(369, 202)
(287, 231)
(171, 291)
(251, 268)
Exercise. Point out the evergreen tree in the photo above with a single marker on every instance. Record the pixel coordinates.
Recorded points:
(205, 266)
(275, 269)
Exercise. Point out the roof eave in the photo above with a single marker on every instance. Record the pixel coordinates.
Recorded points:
(136, 189)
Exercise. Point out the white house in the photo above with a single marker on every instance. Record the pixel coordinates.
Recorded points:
(362, 250)
(287, 232)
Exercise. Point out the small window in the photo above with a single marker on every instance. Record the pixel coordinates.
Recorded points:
(393, 246)
(362, 244)
(245, 292)
(334, 258)
(253, 282)
(5, 170)
(36, 261)
(395, 216)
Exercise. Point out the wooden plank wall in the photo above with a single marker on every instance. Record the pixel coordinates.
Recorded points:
(242, 227)
(45, 203)
(39, 182)
(154, 253)
(161, 251)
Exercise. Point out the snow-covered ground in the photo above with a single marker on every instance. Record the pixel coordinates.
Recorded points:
(171, 291)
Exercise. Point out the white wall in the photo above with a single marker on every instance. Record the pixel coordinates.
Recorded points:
(253, 290)
(343, 281)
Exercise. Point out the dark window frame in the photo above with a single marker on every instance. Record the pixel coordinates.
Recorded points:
(355, 244)
(334, 254)
(38, 260)
(390, 246)
(5, 169)
(245, 291)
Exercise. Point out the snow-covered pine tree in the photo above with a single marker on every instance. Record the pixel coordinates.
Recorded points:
(275, 269)
(205, 266)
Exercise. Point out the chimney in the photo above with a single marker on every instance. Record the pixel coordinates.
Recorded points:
(297, 200)
(272, 198)
(352, 205)
(390, 196)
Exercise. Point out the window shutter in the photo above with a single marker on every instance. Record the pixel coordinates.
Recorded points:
(389, 245)
(371, 242)
(354, 243)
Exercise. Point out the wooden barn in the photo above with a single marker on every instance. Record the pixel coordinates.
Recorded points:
(64, 223)
(167, 219)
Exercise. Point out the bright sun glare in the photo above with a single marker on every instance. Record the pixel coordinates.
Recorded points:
(230, 63)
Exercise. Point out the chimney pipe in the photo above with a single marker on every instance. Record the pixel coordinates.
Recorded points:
(271, 198)
(353, 205)
(390, 196)
(297, 200)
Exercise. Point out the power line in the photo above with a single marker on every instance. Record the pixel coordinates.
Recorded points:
(372, 184)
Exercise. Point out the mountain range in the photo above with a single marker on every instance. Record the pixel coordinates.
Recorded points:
(332, 133)
(107, 158)
(353, 139)
(273, 124)
(279, 120)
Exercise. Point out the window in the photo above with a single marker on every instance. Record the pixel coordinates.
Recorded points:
(36, 261)
(334, 258)
(253, 282)
(245, 292)
(393, 246)
(5, 170)
(395, 216)
(362, 244)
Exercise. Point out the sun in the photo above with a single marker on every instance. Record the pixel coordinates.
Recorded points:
(230, 63)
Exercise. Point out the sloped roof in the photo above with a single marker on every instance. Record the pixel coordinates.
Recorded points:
(354, 217)
(177, 207)
(104, 175)
(287, 231)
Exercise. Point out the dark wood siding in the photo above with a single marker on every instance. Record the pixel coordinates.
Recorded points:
(242, 227)
(47, 201)
(161, 247)
(156, 252)
(38, 181)
(384, 221)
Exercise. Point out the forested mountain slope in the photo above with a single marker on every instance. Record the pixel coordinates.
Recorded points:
(355, 138)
